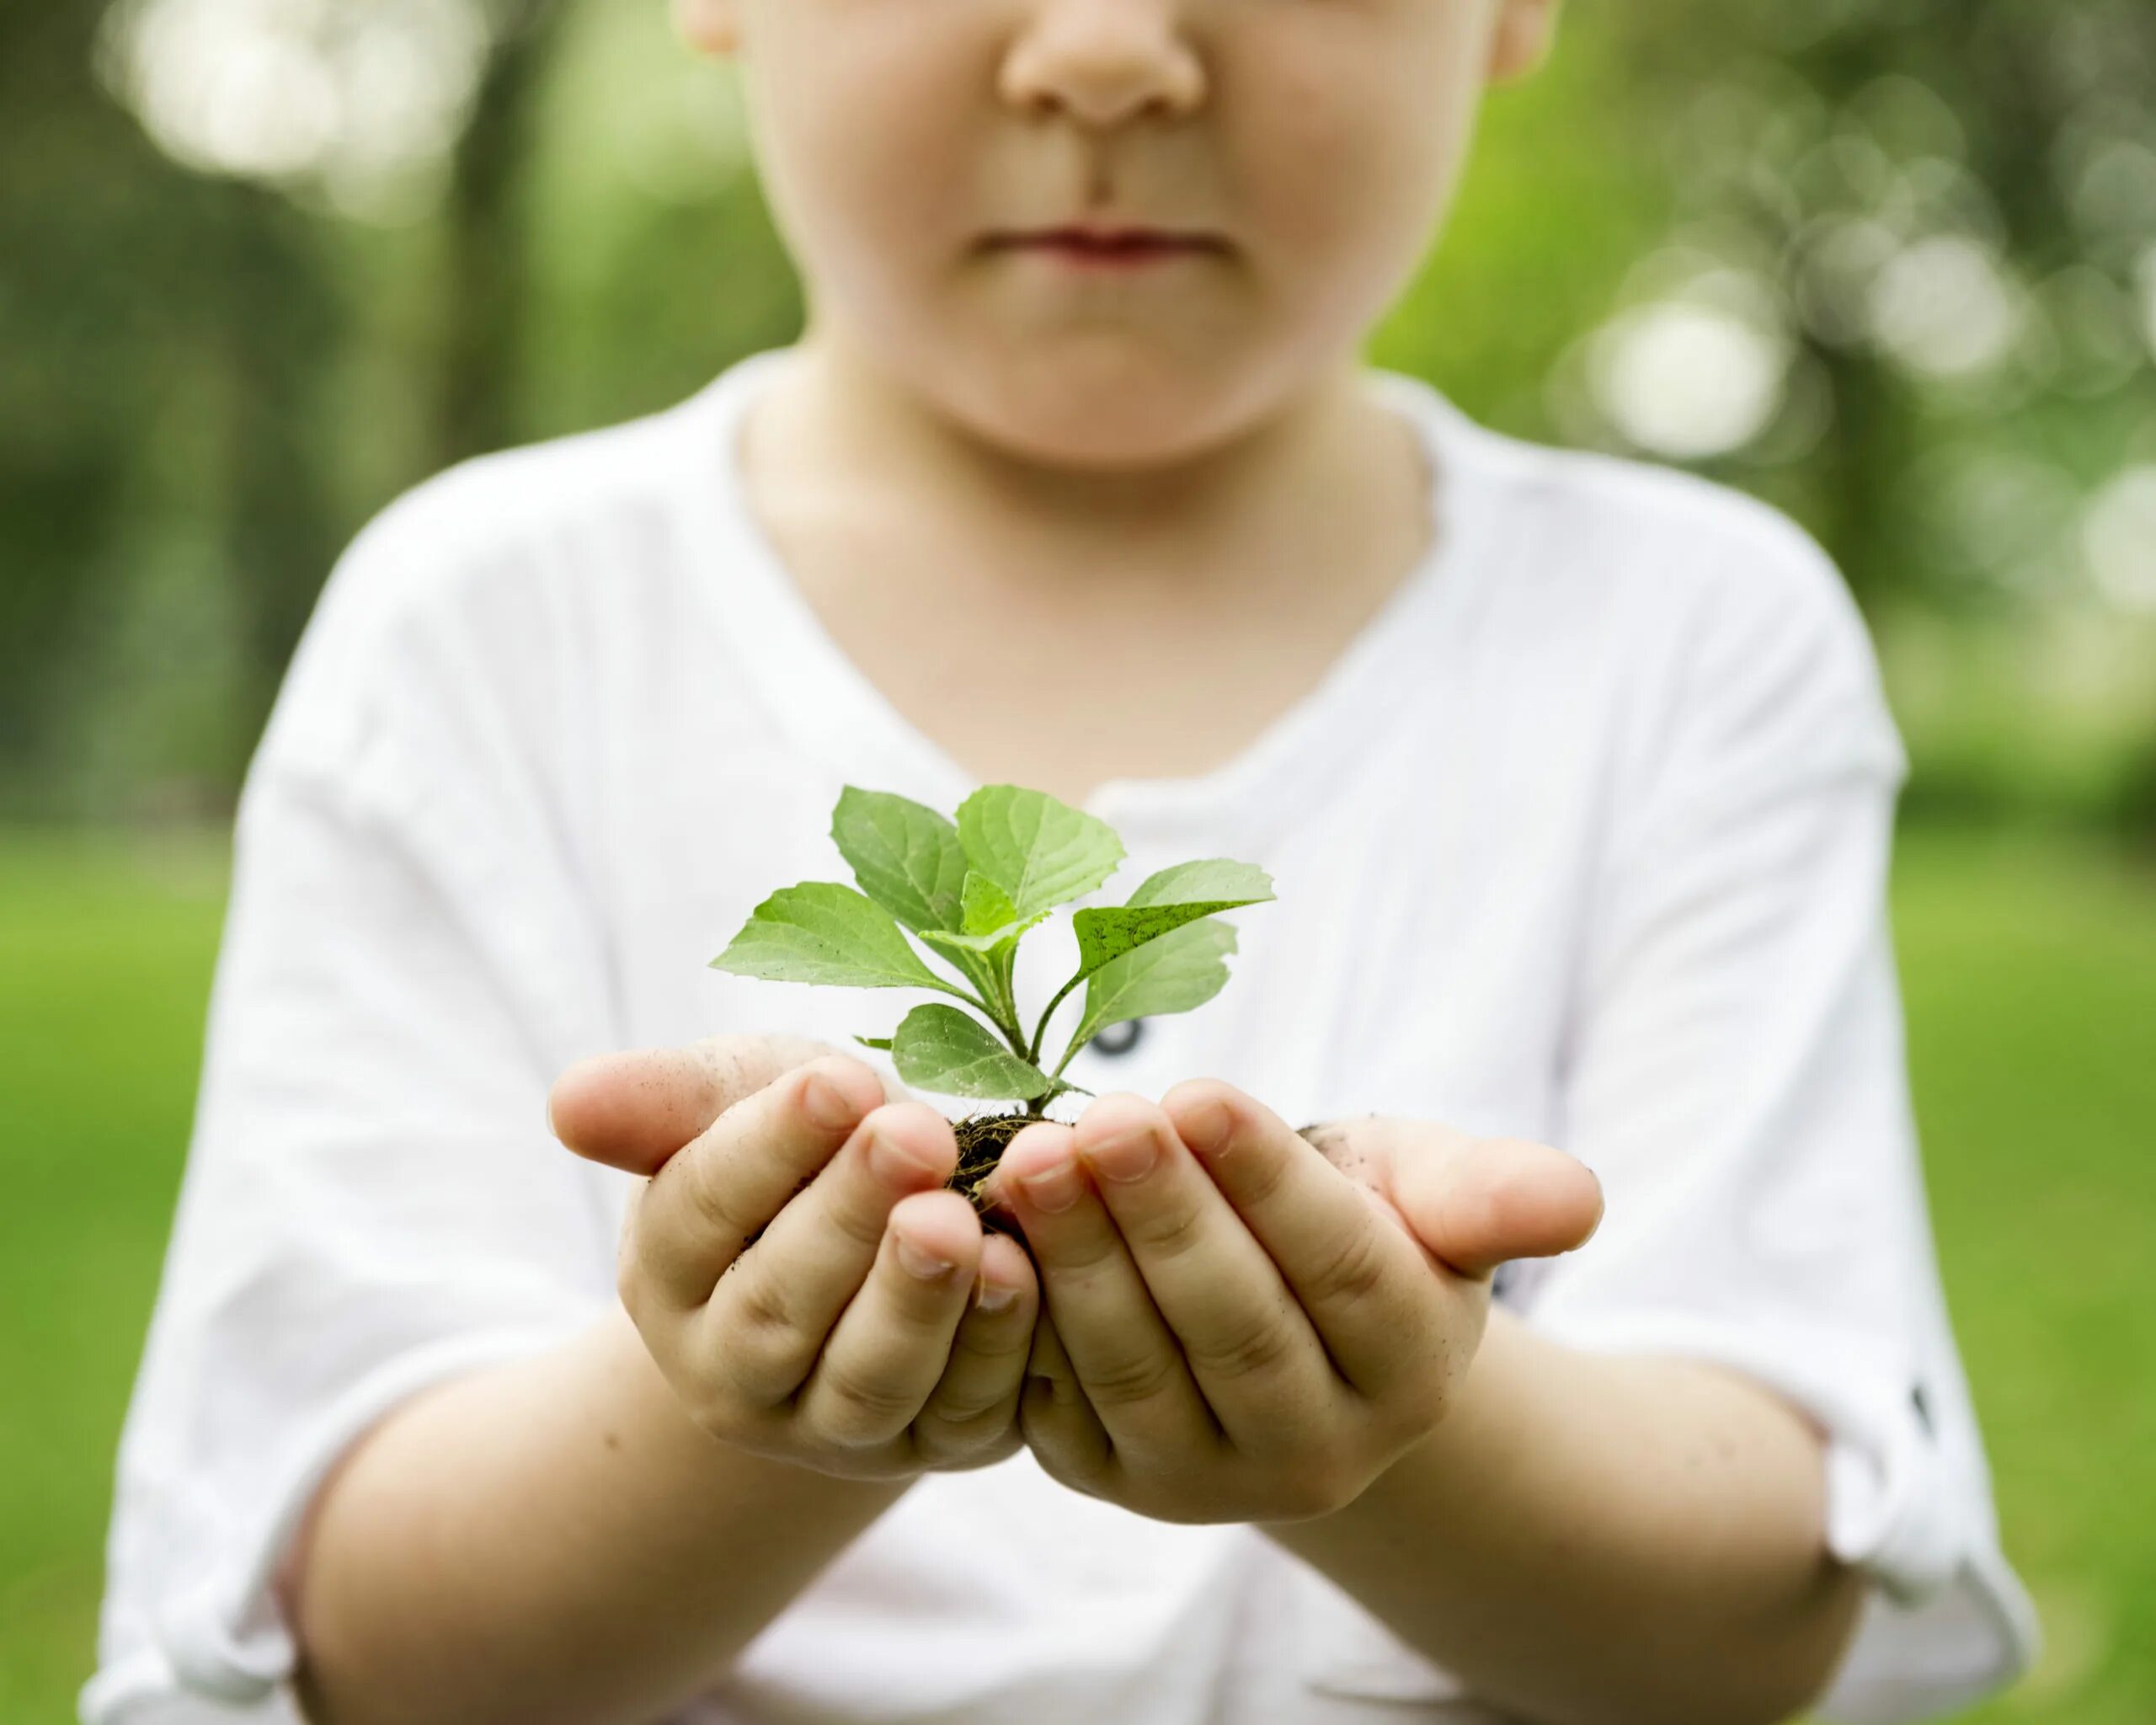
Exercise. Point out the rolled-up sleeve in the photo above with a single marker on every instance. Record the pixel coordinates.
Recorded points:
(1735, 1075)
(371, 1203)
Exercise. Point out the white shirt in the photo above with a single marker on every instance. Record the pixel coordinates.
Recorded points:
(1583, 839)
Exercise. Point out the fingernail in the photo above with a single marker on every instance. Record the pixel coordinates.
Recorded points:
(1126, 1155)
(993, 1296)
(1053, 1188)
(1207, 1128)
(825, 1103)
(917, 1260)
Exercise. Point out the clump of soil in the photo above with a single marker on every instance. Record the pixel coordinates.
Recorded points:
(982, 1140)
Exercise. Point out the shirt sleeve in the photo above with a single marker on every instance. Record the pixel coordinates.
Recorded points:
(1734, 1074)
(371, 1202)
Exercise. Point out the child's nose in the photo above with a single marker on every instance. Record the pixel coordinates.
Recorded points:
(1104, 62)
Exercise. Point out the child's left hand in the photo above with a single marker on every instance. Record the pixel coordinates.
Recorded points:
(1241, 1325)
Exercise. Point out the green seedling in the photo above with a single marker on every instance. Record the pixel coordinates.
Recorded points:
(968, 891)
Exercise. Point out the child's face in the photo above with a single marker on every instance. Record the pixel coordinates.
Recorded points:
(1298, 154)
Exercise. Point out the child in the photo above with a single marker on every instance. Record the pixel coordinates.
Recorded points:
(1575, 782)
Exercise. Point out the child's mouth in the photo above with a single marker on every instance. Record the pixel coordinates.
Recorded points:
(1108, 248)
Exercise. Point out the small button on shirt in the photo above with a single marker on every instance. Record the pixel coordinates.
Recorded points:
(1118, 1039)
(1583, 839)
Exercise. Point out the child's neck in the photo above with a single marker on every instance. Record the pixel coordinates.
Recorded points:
(875, 429)
(1156, 620)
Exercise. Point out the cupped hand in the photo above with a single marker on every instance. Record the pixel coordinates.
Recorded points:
(793, 1262)
(1237, 1329)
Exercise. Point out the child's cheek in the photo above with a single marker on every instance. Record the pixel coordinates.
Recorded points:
(870, 137)
(1343, 131)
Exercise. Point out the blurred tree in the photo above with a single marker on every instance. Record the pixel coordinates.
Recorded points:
(485, 300)
(144, 303)
(1954, 201)
(651, 260)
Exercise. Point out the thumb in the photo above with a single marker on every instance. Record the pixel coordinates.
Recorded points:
(1484, 1200)
(633, 1109)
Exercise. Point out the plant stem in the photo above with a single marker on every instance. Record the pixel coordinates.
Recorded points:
(975, 1001)
(1040, 1030)
(993, 1001)
(1036, 1110)
(1070, 1054)
(1014, 1039)
(1002, 968)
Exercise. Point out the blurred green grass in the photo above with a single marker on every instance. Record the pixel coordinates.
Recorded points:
(2030, 968)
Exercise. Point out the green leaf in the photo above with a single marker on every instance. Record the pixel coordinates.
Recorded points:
(952, 1053)
(1183, 969)
(906, 857)
(984, 906)
(991, 923)
(1042, 852)
(1216, 879)
(821, 931)
(1165, 902)
(960, 946)
(882, 1042)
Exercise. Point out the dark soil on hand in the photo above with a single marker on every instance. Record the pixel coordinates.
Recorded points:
(982, 1140)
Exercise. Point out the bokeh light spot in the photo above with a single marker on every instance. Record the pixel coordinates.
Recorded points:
(2118, 536)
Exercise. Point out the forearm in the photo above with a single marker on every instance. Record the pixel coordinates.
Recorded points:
(1587, 1540)
(553, 1540)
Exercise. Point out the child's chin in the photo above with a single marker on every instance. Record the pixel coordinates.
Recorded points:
(1079, 423)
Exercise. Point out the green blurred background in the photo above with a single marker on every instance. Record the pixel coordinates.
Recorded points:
(1890, 263)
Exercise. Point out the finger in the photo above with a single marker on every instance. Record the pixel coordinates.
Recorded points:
(888, 1351)
(1477, 1202)
(769, 1317)
(1059, 1424)
(1363, 1282)
(1127, 1360)
(971, 1416)
(698, 1212)
(633, 1109)
(1245, 1336)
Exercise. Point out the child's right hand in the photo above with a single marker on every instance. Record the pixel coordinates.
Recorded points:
(821, 1343)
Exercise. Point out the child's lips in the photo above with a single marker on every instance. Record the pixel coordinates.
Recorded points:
(1109, 247)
